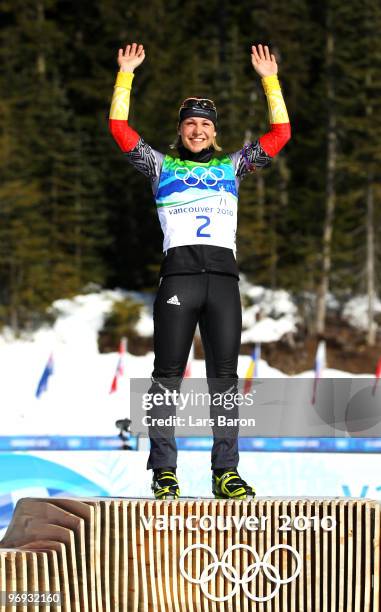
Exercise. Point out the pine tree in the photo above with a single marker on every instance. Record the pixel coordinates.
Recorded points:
(49, 149)
(360, 85)
(266, 210)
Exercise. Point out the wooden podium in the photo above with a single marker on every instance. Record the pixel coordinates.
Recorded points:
(135, 555)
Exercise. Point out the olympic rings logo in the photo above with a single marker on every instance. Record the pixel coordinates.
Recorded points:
(231, 574)
(208, 177)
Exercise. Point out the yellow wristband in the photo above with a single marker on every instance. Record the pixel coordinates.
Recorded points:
(275, 101)
(124, 79)
(120, 102)
(270, 83)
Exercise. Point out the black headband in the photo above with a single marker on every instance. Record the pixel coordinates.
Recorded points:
(197, 111)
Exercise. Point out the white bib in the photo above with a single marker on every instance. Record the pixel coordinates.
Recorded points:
(197, 203)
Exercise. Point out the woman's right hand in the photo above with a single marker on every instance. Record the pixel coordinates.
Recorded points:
(131, 58)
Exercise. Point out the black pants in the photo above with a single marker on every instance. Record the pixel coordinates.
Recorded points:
(212, 301)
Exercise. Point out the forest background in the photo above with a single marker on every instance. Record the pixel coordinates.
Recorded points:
(73, 213)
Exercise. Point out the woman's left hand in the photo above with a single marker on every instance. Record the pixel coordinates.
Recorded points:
(263, 62)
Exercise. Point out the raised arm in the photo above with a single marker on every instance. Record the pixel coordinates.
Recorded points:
(265, 65)
(138, 153)
(259, 153)
(123, 134)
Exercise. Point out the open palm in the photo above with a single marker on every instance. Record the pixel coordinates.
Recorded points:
(131, 57)
(264, 62)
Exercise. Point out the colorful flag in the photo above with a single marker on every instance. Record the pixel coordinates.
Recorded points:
(253, 369)
(377, 375)
(320, 365)
(119, 371)
(43, 383)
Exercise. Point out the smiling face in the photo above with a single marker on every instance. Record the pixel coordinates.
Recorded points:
(197, 133)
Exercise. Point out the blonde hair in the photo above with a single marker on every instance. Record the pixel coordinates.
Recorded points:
(178, 142)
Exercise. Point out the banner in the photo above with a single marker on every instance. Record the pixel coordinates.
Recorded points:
(124, 474)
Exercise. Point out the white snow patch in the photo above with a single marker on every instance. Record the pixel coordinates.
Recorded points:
(269, 330)
(78, 400)
(355, 311)
(144, 326)
(270, 315)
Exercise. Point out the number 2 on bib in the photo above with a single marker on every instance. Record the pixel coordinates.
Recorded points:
(200, 234)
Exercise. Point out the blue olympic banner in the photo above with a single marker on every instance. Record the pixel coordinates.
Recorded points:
(94, 473)
(259, 444)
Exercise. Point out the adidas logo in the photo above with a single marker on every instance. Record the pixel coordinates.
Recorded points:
(174, 300)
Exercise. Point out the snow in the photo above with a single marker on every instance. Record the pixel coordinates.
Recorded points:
(270, 315)
(355, 311)
(80, 318)
(144, 326)
(78, 401)
(273, 303)
(269, 330)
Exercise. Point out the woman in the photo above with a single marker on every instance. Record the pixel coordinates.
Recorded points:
(196, 196)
